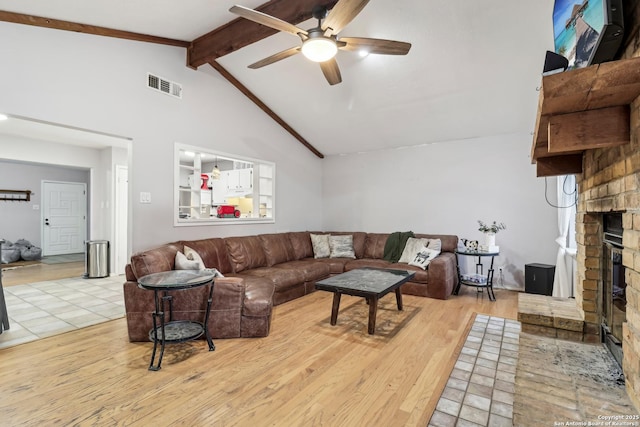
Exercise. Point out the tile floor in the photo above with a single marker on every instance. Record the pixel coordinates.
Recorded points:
(480, 390)
(43, 309)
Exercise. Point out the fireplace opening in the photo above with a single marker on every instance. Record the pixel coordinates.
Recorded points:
(614, 299)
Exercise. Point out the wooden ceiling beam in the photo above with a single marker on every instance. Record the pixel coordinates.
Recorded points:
(241, 32)
(57, 24)
(242, 88)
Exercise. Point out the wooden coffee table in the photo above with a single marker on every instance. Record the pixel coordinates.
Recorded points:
(369, 283)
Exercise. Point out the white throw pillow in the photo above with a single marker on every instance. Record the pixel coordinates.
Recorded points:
(424, 257)
(320, 244)
(194, 256)
(435, 244)
(183, 263)
(341, 246)
(411, 248)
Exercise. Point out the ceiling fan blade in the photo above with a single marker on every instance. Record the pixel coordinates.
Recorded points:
(331, 71)
(275, 57)
(342, 13)
(267, 20)
(379, 46)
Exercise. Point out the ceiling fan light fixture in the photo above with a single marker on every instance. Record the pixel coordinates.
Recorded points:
(319, 48)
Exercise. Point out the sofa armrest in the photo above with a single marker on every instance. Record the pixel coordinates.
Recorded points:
(443, 269)
(228, 292)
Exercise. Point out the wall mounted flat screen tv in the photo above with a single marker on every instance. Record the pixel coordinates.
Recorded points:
(587, 32)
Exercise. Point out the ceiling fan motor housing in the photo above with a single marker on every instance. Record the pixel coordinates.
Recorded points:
(319, 12)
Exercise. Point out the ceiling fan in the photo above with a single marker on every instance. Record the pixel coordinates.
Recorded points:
(320, 44)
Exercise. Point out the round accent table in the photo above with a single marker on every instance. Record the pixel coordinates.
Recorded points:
(478, 280)
(174, 331)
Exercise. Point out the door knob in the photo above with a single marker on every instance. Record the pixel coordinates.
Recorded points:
(46, 221)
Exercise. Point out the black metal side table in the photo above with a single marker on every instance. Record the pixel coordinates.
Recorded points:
(4, 316)
(174, 331)
(488, 284)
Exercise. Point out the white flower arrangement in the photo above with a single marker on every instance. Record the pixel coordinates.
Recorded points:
(491, 228)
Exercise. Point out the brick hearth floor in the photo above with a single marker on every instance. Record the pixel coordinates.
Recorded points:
(505, 377)
(564, 383)
(480, 390)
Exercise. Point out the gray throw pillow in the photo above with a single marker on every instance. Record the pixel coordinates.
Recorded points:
(341, 246)
(320, 243)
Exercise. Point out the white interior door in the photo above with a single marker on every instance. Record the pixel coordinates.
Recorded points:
(121, 214)
(64, 217)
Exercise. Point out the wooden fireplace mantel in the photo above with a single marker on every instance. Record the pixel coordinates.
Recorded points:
(580, 110)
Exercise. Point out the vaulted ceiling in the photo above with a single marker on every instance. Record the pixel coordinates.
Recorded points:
(472, 70)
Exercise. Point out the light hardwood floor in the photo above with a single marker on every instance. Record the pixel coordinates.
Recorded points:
(305, 373)
(42, 272)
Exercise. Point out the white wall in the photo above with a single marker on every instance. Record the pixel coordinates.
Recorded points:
(445, 188)
(19, 220)
(99, 83)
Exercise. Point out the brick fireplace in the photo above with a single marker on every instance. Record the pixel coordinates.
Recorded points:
(588, 124)
(610, 182)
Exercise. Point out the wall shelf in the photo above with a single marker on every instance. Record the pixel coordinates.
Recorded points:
(15, 195)
(583, 109)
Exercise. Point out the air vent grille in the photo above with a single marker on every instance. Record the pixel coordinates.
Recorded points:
(164, 86)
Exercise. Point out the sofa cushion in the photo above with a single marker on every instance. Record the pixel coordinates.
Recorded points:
(246, 253)
(155, 260)
(320, 243)
(213, 252)
(421, 276)
(336, 265)
(277, 248)
(282, 278)
(366, 262)
(341, 246)
(301, 244)
(312, 269)
(374, 245)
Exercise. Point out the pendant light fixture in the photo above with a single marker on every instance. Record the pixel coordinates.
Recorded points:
(215, 173)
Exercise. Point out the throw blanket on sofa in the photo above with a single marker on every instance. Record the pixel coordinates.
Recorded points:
(395, 245)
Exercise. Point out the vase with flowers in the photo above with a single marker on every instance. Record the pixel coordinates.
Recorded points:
(490, 231)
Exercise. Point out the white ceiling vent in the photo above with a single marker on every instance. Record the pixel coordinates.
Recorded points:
(164, 86)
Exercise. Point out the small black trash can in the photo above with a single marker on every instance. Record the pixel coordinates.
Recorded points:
(96, 262)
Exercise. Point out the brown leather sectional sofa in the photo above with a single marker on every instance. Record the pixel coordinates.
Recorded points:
(266, 270)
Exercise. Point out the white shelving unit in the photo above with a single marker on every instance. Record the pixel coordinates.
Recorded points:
(189, 192)
(265, 186)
